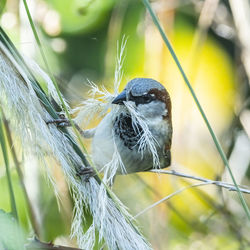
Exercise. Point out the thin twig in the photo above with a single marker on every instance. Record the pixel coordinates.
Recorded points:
(205, 181)
(226, 185)
(168, 197)
(198, 226)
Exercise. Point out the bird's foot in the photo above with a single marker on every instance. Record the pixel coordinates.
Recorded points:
(62, 121)
(86, 173)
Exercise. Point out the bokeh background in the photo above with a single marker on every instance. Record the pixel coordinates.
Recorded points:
(211, 40)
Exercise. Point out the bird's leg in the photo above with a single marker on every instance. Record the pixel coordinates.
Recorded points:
(64, 122)
(85, 172)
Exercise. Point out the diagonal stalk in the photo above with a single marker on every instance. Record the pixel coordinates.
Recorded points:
(7, 167)
(34, 222)
(85, 157)
(52, 76)
(216, 141)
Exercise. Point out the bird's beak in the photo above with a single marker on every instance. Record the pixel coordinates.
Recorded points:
(120, 98)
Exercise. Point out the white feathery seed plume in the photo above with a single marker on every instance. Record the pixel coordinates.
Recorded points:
(101, 98)
(147, 140)
(98, 104)
(119, 65)
(50, 85)
(28, 117)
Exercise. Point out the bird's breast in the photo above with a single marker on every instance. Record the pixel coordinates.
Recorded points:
(122, 133)
(126, 132)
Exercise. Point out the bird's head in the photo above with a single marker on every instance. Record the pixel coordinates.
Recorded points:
(150, 98)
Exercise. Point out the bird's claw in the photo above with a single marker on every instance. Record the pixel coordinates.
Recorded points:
(62, 121)
(86, 173)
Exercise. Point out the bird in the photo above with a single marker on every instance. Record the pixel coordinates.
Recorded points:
(117, 131)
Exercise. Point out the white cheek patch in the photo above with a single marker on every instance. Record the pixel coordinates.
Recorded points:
(153, 109)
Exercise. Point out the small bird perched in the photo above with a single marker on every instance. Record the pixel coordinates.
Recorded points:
(119, 131)
(138, 131)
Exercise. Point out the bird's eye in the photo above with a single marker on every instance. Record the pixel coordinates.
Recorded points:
(143, 99)
(147, 98)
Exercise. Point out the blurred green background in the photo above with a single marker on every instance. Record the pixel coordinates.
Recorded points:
(80, 39)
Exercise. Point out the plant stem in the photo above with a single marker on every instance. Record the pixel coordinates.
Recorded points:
(222, 184)
(7, 167)
(168, 197)
(86, 159)
(33, 220)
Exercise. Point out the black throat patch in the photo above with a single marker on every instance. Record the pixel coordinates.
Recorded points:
(128, 133)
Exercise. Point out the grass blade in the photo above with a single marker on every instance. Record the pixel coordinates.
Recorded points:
(216, 141)
(53, 78)
(32, 216)
(7, 167)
